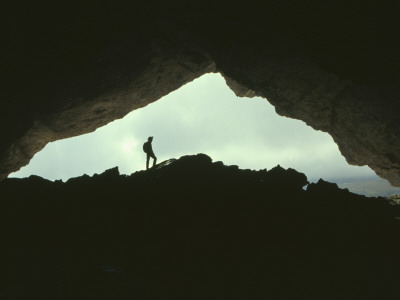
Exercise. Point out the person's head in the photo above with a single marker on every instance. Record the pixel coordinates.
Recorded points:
(150, 139)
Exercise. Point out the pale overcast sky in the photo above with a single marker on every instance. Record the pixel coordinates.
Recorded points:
(203, 116)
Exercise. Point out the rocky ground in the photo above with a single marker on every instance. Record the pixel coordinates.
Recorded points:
(194, 229)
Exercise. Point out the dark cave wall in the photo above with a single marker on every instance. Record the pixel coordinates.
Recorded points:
(74, 68)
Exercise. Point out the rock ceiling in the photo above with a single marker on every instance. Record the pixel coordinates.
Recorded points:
(70, 69)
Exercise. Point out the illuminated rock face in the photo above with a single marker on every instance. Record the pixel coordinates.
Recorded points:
(73, 69)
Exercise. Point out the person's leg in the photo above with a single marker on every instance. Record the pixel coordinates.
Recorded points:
(147, 161)
(154, 159)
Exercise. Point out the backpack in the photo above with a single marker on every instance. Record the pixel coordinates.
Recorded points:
(146, 147)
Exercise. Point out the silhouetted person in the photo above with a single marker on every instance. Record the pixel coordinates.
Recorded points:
(148, 149)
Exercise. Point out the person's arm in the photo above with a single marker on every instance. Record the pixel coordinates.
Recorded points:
(151, 149)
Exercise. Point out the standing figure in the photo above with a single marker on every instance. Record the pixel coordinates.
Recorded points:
(148, 149)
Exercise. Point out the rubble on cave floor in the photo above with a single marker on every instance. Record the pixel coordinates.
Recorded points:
(196, 229)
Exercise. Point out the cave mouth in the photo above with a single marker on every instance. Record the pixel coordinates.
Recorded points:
(203, 116)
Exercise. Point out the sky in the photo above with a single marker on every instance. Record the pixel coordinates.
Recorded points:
(203, 116)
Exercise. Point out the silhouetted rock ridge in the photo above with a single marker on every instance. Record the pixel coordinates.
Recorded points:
(195, 229)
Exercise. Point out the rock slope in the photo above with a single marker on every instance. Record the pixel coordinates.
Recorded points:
(194, 229)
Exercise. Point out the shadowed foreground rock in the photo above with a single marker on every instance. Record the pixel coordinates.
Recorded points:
(193, 229)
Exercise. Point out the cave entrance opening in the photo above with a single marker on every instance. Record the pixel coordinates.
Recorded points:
(203, 116)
